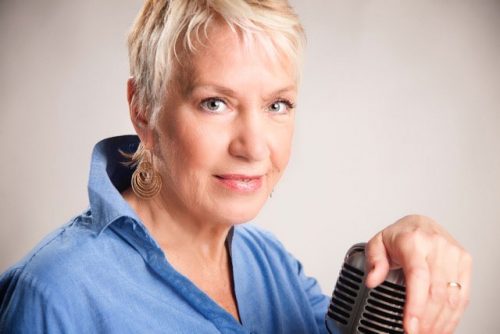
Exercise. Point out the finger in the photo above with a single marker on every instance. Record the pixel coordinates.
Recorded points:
(417, 278)
(449, 311)
(377, 262)
(464, 293)
(450, 300)
(437, 312)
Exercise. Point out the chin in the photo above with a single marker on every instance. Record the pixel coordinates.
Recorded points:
(235, 218)
(238, 214)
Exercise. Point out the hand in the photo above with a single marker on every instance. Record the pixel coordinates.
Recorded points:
(430, 259)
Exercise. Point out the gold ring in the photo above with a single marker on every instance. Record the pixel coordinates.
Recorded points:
(453, 284)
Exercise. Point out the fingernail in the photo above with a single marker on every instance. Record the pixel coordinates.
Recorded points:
(413, 325)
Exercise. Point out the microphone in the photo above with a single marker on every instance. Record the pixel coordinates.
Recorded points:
(355, 309)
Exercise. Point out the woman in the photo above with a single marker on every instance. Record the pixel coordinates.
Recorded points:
(162, 248)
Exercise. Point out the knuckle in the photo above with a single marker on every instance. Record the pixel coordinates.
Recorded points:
(420, 220)
(438, 292)
(453, 301)
(467, 258)
(457, 251)
(413, 239)
(405, 237)
(438, 240)
(419, 273)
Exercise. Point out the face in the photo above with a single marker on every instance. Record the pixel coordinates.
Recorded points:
(224, 136)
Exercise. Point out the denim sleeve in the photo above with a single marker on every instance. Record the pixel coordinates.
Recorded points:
(28, 306)
(318, 301)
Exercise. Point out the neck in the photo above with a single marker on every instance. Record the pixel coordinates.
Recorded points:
(180, 234)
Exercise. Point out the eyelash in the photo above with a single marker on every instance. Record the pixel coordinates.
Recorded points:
(211, 99)
(290, 105)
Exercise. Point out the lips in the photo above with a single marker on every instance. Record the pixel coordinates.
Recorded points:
(240, 182)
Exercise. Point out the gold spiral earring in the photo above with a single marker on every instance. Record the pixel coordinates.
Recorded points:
(146, 181)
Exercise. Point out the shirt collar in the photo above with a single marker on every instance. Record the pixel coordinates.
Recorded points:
(108, 177)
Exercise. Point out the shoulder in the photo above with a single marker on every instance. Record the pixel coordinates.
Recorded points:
(58, 259)
(38, 291)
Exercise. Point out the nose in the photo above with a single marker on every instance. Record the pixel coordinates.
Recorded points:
(250, 139)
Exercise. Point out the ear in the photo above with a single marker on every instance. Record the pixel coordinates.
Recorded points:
(138, 117)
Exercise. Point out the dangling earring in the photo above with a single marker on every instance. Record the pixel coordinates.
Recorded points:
(146, 181)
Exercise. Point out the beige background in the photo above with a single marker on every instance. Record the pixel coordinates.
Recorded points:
(399, 113)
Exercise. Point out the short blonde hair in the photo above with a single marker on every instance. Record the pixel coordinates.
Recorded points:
(166, 29)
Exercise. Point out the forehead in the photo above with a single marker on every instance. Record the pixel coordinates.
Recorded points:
(230, 57)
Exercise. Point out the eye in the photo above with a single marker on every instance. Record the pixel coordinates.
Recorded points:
(281, 106)
(214, 105)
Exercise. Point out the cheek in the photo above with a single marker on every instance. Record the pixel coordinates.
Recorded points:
(281, 149)
(192, 146)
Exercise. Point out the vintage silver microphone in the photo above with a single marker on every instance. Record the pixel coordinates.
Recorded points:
(356, 309)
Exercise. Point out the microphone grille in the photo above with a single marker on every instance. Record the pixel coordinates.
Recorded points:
(383, 310)
(357, 309)
(347, 291)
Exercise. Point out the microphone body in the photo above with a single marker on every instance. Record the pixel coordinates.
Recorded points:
(355, 309)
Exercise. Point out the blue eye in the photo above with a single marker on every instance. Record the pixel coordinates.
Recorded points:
(280, 106)
(213, 104)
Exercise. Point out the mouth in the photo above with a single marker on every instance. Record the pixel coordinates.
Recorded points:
(240, 183)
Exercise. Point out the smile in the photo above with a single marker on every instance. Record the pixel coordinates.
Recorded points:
(240, 183)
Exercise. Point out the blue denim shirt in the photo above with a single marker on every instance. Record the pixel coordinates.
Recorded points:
(103, 272)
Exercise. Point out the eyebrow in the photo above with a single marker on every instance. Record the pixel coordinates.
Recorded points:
(222, 89)
(228, 91)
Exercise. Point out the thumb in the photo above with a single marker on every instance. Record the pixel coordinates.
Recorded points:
(377, 261)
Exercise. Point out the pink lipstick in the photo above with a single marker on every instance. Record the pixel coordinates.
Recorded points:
(240, 183)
